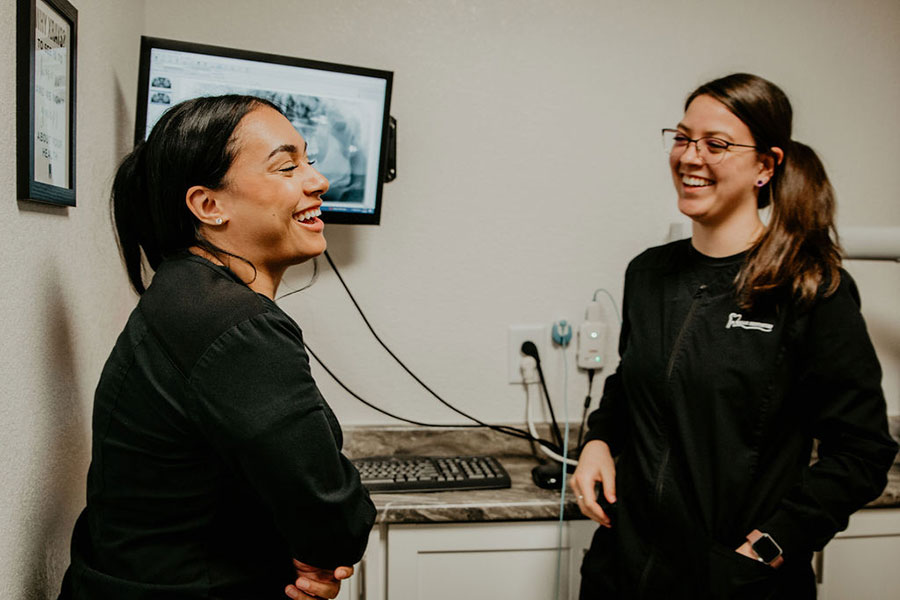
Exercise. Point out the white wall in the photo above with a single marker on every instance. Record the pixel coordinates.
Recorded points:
(530, 166)
(64, 301)
(530, 171)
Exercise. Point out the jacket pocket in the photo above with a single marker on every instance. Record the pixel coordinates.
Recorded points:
(733, 576)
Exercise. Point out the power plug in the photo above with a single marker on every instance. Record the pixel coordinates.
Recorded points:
(528, 366)
(562, 333)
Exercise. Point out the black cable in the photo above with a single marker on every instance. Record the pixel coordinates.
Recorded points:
(555, 426)
(587, 404)
(505, 429)
(369, 404)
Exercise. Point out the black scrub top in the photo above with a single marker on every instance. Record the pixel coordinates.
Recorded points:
(215, 459)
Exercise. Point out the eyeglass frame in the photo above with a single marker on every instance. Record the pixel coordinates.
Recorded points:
(696, 142)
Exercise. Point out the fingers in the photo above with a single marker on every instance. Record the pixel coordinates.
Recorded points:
(343, 573)
(292, 592)
(312, 572)
(583, 487)
(595, 466)
(313, 582)
(608, 479)
(306, 588)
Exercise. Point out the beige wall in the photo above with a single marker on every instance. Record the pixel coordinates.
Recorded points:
(530, 167)
(530, 171)
(64, 300)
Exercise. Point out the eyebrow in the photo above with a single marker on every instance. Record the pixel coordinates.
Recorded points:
(708, 134)
(289, 148)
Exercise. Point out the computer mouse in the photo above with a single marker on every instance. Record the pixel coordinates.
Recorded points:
(549, 476)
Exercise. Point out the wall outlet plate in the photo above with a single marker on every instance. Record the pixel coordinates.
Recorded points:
(518, 334)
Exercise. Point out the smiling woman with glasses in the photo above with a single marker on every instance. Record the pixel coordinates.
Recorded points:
(739, 347)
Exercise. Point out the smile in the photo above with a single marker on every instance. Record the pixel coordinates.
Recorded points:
(693, 181)
(308, 217)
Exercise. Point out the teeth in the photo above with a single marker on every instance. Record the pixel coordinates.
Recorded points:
(309, 214)
(695, 181)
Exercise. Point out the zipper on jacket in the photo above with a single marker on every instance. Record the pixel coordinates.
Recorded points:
(658, 488)
(684, 326)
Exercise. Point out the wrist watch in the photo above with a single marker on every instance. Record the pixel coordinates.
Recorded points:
(766, 548)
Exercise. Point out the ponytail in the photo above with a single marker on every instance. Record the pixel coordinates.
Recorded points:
(799, 252)
(128, 200)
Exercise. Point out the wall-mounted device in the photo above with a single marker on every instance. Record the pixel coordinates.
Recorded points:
(592, 339)
(342, 112)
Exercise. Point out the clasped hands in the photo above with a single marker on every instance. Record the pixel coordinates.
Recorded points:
(313, 582)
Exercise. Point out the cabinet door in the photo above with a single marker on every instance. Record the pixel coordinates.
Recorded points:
(479, 561)
(861, 562)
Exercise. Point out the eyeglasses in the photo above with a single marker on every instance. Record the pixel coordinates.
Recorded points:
(712, 150)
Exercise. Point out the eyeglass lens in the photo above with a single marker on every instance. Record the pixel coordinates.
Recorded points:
(711, 150)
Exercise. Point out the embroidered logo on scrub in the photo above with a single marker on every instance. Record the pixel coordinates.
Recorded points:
(736, 320)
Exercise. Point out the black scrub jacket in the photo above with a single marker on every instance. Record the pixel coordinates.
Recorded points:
(215, 459)
(712, 415)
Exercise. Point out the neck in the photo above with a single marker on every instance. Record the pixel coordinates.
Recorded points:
(262, 280)
(730, 237)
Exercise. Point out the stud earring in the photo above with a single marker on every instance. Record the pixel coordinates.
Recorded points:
(760, 183)
(218, 220)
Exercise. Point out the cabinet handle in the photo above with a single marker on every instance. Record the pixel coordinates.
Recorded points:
(362, 579)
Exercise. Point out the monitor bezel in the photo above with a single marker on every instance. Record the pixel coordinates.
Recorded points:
(149, 43)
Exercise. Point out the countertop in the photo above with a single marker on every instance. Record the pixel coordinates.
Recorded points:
(524, 501)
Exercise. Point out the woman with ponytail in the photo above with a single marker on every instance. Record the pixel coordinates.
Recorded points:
(739, 347)
(216, 465)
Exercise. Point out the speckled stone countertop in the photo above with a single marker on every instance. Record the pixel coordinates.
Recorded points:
(524, 501)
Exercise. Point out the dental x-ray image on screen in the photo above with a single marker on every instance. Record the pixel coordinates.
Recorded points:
(336, 139)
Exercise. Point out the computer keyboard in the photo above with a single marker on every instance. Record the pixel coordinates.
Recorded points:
(431, 473)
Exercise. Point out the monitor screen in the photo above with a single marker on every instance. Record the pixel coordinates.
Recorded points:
(341, 111)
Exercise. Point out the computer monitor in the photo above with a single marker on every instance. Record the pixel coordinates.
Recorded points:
(341, 111)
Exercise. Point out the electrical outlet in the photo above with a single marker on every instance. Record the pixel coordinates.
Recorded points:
(518, 334)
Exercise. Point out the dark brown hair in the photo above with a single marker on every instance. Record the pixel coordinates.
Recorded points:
(193, 143)
(799, 253)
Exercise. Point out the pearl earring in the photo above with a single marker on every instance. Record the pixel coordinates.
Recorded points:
(218, 220)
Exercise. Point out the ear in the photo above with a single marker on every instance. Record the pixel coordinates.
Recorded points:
(768, 161)
(203, 204)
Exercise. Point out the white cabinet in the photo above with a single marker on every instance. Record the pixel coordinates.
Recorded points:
(862, 562)
(485, 560)
(471, 560)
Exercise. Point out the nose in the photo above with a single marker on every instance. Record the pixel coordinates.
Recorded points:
(315, 184)
(691, 154)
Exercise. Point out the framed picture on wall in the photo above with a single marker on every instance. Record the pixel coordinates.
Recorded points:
(46, 43)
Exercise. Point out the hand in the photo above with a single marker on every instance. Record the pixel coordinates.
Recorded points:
(595, 464)
(313, 582)
(747, 550)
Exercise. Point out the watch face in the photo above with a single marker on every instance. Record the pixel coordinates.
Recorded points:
(766, 548)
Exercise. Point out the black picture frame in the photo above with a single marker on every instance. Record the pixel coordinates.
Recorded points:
(46, 57)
